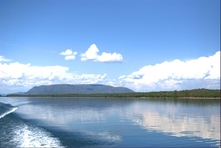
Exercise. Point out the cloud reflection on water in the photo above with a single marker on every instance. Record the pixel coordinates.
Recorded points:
(183, 126)
(169, 118)
(74, 119)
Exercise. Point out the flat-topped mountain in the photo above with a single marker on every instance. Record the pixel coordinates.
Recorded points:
(77, 89)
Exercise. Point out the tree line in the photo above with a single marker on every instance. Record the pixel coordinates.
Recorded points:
(200, 93)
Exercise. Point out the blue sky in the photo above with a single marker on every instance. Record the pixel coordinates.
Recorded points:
(140, 44)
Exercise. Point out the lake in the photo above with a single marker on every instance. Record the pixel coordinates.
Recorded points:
(109, 122)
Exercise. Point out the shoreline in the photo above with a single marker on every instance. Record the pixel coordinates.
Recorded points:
(182, 94)
(129, 97)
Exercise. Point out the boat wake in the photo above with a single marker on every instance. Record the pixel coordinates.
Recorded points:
(32, 136)
(15, 132)
(6, 109)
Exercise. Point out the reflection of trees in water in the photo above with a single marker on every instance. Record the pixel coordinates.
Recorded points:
(189, 101)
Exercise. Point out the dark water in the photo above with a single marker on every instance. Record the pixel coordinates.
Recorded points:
(109, 122)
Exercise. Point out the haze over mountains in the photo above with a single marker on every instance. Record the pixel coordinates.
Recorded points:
(77, 89)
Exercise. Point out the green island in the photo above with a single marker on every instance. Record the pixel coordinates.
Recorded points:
(194, 93)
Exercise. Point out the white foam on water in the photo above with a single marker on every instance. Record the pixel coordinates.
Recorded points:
(8, 112)
(29, 136)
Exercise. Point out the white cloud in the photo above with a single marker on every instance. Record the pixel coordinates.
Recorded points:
(201, 72)
(70, 57)
(69, 54)
(92, 54)
(14, 76)
(2, 59)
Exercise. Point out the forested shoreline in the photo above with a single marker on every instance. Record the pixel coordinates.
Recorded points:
(195, 93)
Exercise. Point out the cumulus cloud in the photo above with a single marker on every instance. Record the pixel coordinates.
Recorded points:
(17, 75)
(69, 54)
(203, 72)
(92, 54)
(2, 59)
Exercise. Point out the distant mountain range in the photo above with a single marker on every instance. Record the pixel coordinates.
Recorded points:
(77, 89)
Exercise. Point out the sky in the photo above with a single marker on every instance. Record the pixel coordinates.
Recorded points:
(145, 45)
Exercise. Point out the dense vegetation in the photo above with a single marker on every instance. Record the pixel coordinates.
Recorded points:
(201, 93)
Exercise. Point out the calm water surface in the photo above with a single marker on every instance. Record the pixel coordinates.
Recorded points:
(109, 122)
